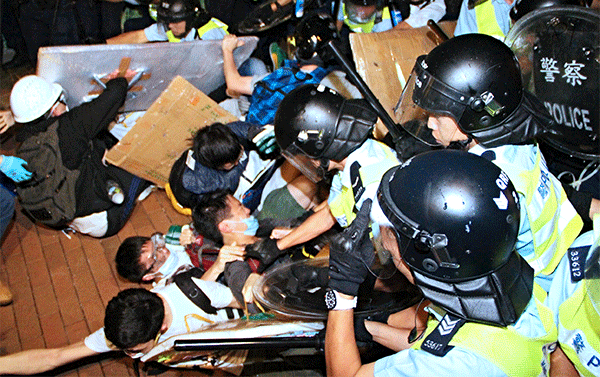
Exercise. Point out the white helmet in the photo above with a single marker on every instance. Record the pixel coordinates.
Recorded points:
(32, 97)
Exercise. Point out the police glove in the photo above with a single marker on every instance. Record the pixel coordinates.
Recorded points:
(265, 140)
(351, 254)
(14, 168)
(266, 251)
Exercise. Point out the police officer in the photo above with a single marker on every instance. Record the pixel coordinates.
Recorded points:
(178, 20)
(575, 301)
(450, 221)
(322, 133)
(467, 94)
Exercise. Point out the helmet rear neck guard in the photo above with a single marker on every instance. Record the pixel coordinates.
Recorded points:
(456, 219)
(498, 298)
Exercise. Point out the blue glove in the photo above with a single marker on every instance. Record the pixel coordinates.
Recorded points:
(265, 140)
(351, 254)
(13, 168)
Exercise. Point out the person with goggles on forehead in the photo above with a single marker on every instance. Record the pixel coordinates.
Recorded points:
(575, 300)
(467, 94)
(152, 259)
(327, 136)
(448, 222)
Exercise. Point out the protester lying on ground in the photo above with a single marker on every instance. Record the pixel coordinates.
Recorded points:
(144, 259)
(135, 321)
(71, 185)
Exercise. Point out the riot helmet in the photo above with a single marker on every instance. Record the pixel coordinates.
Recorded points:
(361, 11)
(312, 34)
(456, 220)
(173, 11)
(476, 80)
(315, 123)
(522, 7)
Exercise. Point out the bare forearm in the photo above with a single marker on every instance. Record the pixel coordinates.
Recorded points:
(317, 224)
(42, 360)
(132, 37)
(341, 352)
(235, 82)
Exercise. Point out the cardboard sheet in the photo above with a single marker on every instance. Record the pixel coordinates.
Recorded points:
(165, 131)
(199, 62)
(385, 60)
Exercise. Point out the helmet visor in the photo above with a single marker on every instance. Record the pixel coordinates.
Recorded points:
(310, 167)
(423, 96)
(360, 14)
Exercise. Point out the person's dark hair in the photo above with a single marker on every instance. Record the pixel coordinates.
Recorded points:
(133, 317)
(128, 259)
(216, 145)
(209, 212)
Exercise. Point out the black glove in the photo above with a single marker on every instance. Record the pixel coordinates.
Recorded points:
(360, 331)
(351, 254)
(266, 251)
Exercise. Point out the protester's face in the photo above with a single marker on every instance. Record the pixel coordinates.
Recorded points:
(178, 29)
(231, 165)
(444, 129)
(141, 349)
(237, 209)
(153, 258)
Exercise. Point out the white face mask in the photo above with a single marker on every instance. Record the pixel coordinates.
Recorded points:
(170, 266)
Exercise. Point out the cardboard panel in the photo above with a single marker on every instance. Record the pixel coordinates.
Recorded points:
(199, 62)
(385, 60)
(161, 135)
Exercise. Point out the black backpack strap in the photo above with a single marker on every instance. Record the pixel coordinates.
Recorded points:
(437, 341)
(185, 283)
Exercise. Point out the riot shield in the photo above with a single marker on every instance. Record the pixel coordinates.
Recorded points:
(558, 49)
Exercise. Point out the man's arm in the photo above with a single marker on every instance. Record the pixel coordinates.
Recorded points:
(226, 254)
(42, 360)
(235, 82)
(341, 352)
(131, 37)
(317, 224)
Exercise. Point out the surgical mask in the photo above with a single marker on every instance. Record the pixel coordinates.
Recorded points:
(170, 265)
(252, 226)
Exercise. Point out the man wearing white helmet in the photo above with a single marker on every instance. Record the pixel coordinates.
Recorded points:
(81, 141)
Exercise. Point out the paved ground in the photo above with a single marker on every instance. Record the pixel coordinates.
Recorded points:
(62, 283)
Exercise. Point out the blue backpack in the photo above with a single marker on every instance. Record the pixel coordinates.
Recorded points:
(269, 92)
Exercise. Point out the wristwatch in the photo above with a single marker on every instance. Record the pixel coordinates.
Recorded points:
(333, 301)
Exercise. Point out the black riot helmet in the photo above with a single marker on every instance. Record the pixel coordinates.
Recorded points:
(312, 34)
(522, 7)
(475, 79)
(314, 122)
(173, 11)
(456, 219)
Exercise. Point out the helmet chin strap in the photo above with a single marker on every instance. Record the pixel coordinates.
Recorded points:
(462, 145)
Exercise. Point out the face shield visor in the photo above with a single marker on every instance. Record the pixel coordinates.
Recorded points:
(313, 169)
(360, 14)
(424, 96)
